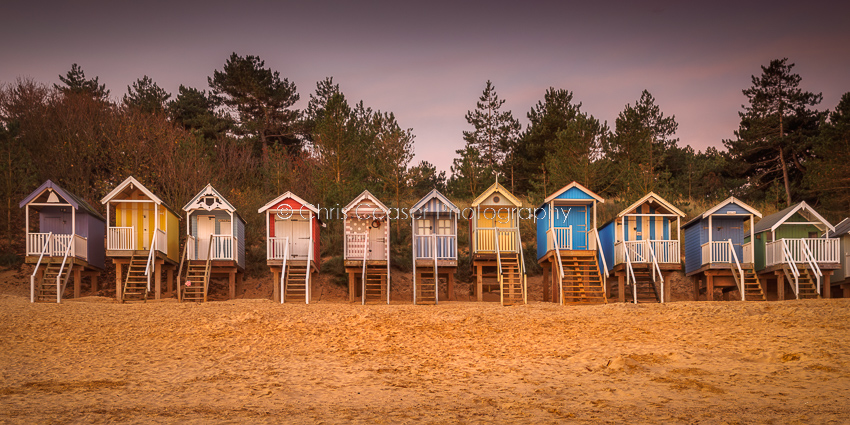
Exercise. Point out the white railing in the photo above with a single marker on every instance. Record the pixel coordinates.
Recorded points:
(121, 239)
(355, 247)
(790, 265)
(44, 247)
(556, 247)
(564, 236)
(716, 252)
(364, 256)
(307, 278)
(736, 266)
(823, 250)
(277, 248)
(190, 248)
(283, 270)
(656, 268)
(485, 239)
(222, 247)
(499, 272)
(444, 247)
(630, 274)
(60, 288)
(81, 247)
(665, 251)
(602, 256)
(36, 242)
(813, 265)
(150, 264)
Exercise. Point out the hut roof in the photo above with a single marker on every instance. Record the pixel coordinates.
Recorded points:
(75, 201)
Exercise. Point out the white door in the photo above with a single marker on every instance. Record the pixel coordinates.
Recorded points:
(282, 229)
(299, 242)
(378, 242)
(146, 233)
(206, 228)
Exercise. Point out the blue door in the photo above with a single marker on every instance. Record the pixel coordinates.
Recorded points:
(729, 228)
(575, 216)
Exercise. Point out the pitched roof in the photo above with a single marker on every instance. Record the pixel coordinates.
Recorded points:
(727, 201)
(364, 195)
(132, 181)
(288, 195)
(434, 193)
(570, 186)
(75, 201)
(841, 229)
(209, 189)
(496, 187)
(658, 199)
(775, 220)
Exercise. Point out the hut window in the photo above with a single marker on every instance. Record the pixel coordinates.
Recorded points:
(445, 227)
(496, 199)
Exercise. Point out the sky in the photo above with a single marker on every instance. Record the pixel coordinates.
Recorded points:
(428, 62)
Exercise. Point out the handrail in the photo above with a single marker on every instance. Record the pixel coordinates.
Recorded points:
(738, 281)
(62, 269)
(790, 264)
(522, 267)
(283, 270)
(809, 257)
(150, 260)
(207, 270)
(655, 268)
(363, 276)
(557, 248)
(413, 254)
(180, 270)
(307, 278)
(601, 254)
(499, 269)
(37, 265)
(630, 271)
(436, 275)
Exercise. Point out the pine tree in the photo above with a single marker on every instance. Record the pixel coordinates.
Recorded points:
(75, 82)
(830, 175)
(777, 127)
(195, 111)
(146, 96)
(495, 131)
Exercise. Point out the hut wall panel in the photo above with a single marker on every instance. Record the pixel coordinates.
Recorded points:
(693, 249)
(608, 238)
(240, 241)
(96, 241)
(574, 193)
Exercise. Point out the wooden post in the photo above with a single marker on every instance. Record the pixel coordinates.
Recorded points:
(77, 281)
(118, 287)
(451, 287)
(668, 289)
(826, 288)
(232, 287)
(845, 290)
(352, 282)
(621, 286)
(157, 279)
(556, 276)
(240, 275)
(709, 294)
(275, 285)
(546, 271)
(697, 284)
(479, 284)
(385, 291)
(780, 286)
(169, 280)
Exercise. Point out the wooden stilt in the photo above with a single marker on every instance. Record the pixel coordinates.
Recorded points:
(826, 287)
(479, 284)
(546, 271)
(709, 295)
(780, 287)
(232, 287)
(697, 283)
(276, 285)
(845, 290)
(118, 287)
(668, 289)
(157, 279)
(621, 287)
(451, 287)
(169, 280)
(239, 277)
(352, 286)
(77, 281)
(555, 275)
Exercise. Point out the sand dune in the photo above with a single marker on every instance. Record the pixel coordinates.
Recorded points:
(93, 360)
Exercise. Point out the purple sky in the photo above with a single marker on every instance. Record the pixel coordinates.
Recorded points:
(428, 63)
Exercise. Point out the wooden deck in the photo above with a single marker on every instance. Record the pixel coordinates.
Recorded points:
(440, 263)
(716, 266)
(663, 266)
(139, 253)
(33, 259)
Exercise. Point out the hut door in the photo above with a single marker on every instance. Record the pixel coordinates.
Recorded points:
(206, 228)
(146, 241)
(300, 239)
(378, 241)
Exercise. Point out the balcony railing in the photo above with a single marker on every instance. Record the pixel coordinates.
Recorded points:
(222, 247)
(121, 239)
(824, 250)
(57, 245)
(719, 252)
(485, 239)
(666, 251)
(424, 246)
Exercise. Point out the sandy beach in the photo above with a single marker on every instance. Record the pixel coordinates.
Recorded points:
(252, 360)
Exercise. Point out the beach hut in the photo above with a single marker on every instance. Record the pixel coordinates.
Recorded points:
(367, 248)
(143, 237)
(292, 246)
(568, 246)
(215, 245)
(641, 251)
(496, 246)
(788, 248)
(434, 229)
(841, 278)
(67, 240)
(716, 252)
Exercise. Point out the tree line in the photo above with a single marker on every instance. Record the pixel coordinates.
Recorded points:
(242, 134)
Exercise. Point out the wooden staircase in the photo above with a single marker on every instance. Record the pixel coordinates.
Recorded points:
(752, 285)
(582, 281)
(512, 290)
(136, 283)
(375, 288)
(295, 284)
(199, 281)
(426, 288)
(808, 284)
(45, 288)
(647, 292)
